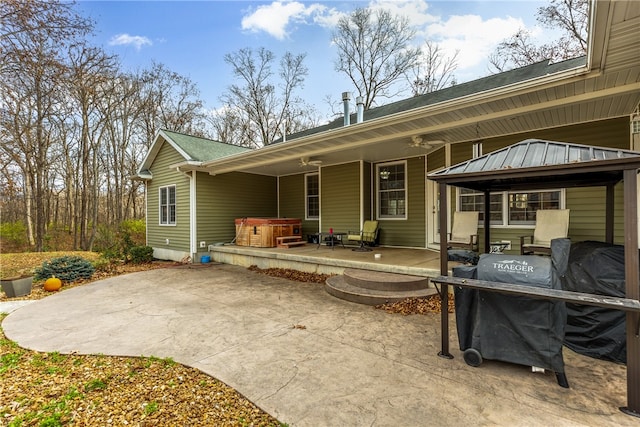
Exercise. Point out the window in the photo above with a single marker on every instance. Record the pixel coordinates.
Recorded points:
(312, 189)
(392, 193)
(477, 150)
(510, 208)
(523, 206)
(471, 200)
(168, 205)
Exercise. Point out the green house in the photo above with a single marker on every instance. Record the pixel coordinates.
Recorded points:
(375, 167)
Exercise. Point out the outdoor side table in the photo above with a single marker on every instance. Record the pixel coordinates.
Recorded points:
(339, 237)
(497, 247)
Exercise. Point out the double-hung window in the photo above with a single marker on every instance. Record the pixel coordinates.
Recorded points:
(168, 205)
(392, 190)
(510, 208)
(312, 195)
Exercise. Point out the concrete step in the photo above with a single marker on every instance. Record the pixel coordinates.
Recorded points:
(381, 281)
(340, 288)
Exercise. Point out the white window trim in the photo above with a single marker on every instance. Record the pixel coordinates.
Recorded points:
(505, 207)
(306, 197)
(406, 191)
(167, 224)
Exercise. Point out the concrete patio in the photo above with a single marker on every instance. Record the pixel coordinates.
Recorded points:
(310, 359)
(333, 260)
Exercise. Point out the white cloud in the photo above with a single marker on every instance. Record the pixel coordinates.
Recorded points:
(474, 37)
(276, 18)
(125, 40)
(414, 10)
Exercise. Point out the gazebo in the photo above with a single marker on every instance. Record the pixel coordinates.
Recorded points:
(537, 164)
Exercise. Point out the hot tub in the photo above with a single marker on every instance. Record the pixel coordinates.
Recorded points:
(262, 232)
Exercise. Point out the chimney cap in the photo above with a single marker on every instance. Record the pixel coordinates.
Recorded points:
(346, 96)
(359, 99)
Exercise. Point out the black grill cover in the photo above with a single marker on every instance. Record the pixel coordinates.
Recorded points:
(596, 268)
(515, 329)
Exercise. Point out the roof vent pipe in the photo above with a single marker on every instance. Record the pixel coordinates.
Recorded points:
(346, 97)
(360, 104)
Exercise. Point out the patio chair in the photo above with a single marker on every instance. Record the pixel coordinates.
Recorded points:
(367, 235)
(464, 231)
(550, 224)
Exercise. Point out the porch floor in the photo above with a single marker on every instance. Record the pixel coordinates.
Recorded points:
(323, 259)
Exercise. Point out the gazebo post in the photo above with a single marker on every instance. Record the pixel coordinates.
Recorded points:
(609, 213)
(444, 271)
(632, 279)
(487, 222)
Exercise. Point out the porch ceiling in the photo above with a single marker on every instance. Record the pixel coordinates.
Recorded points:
(610, 89)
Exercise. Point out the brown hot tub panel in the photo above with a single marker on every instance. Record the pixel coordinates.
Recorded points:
(262, 232)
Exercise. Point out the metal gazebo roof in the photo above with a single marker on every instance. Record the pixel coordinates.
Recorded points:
(537, 164)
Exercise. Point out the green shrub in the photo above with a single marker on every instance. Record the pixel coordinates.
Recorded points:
(66, 268)
(13, 236)
(141, 254)
(136, 230)
(106, 242)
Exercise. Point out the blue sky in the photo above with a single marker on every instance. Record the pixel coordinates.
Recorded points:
(192, 37)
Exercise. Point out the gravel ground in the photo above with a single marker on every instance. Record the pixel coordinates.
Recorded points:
(50, 389)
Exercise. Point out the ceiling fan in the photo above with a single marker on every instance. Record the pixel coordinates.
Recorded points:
(418, 141)
(306, 161)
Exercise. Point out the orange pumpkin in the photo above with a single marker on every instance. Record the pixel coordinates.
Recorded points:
(52, 284)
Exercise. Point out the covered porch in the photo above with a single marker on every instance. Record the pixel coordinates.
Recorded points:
(327, 260)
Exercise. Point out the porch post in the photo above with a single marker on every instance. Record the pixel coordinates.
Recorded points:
(609, 215)
(632, 279)
(444, 271)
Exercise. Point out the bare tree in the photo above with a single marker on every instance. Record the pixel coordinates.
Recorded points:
(435, 70)
(262, 103)
(89, 70)
(374, 52)
(34, 35)
(172, 101)
(571, 17)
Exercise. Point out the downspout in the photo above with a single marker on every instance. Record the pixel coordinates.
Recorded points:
(193, 224)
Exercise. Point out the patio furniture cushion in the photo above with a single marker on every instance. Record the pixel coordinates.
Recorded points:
(550, 224)
(368, 234)
(464, 232)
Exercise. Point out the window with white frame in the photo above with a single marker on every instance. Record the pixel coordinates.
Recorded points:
(510, 207)
(472, 200)
(392, 193)
(312, 196)
(168, 205)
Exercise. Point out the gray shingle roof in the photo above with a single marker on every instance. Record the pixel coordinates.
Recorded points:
(461, 90)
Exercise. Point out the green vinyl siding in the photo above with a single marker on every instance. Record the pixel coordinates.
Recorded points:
(340, 197)
(223, 198)
(587, 217)
(436, 160)
(461, 152)
(587, 205)
(367, 194)
(613, 133)
(178, 234)
(292, 201)
(411, 231)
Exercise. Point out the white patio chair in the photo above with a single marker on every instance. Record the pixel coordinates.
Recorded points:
(550, 224)
(464, 231)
